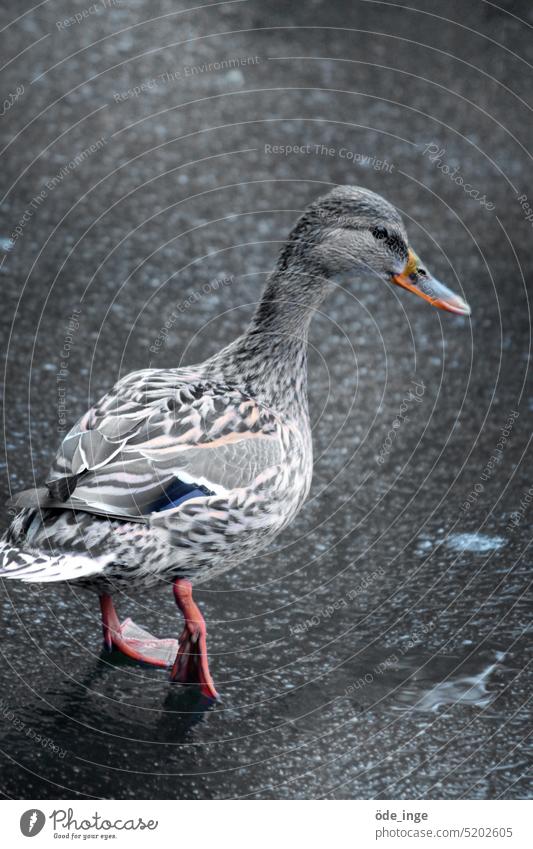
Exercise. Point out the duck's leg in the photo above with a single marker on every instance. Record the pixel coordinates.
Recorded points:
(191, 665)
(133, 641)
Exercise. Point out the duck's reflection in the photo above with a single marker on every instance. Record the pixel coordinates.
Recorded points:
(117, 717)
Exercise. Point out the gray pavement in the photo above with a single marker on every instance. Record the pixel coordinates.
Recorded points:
(380, 649)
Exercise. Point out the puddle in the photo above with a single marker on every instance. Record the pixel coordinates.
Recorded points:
(477, 543)
(421, 682)
(463, 689)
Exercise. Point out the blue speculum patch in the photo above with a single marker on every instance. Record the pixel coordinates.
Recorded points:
(177, 492)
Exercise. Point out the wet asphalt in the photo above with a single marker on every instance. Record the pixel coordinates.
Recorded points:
(153, 161)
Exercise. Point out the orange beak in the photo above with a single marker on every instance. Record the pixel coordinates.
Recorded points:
(418, 280)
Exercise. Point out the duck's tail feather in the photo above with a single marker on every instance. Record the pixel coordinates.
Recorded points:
(36, 566)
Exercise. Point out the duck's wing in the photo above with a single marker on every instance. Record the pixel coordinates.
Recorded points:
(153, 442)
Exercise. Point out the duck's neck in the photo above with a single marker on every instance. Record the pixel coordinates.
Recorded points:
(271, 356)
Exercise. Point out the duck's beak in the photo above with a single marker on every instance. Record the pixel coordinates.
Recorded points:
(418, 280)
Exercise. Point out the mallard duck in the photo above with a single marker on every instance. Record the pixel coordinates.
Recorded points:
(179, 474)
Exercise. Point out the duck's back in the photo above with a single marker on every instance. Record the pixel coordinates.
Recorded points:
(197, 463)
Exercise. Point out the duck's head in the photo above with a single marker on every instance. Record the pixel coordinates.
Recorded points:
(354, 230)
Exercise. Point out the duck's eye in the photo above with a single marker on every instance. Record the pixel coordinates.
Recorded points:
(379, 233)
(422, 272)
(393, 241)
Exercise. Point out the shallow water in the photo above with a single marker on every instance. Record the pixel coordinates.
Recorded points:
(479, 543)
(380, 649)
(467, 689)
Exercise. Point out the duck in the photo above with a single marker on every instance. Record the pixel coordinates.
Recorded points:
(179, 474)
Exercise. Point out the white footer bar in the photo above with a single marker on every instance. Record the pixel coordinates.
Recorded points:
(267, 824)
